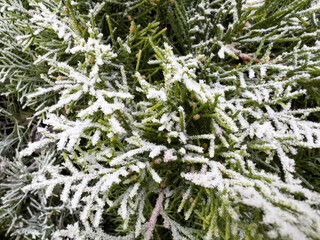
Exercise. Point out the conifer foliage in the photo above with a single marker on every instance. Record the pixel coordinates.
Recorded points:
(159, 119)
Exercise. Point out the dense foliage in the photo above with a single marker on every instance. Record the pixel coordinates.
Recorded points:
(159, 119)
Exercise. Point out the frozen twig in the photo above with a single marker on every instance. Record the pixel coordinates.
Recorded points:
(154, 216)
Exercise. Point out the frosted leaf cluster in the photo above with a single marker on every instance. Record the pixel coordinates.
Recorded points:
(197, 136)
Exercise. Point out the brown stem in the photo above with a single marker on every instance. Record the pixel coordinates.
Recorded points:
(154, 216)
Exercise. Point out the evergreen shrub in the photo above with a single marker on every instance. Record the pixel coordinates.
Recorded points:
(159, 119)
